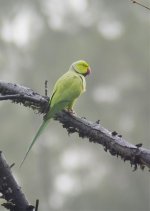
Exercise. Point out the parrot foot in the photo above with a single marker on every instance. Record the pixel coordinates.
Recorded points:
(71, 111)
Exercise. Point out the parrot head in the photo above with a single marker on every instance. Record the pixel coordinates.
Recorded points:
(81, 67)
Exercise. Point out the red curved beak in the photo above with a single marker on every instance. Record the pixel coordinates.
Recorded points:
(89, 71)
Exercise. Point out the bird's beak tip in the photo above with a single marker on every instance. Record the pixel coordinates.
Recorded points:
(89, 71)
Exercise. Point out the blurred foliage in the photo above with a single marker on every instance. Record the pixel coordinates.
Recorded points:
(39, 39)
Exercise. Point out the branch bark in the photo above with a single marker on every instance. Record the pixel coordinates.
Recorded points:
(11, 192)
(95, 132)
(23, 95)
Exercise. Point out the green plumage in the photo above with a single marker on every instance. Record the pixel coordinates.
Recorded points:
(66, 90)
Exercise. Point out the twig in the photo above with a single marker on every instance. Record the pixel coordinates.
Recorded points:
(10, 97)
(46, 82)
(37, 205)
(12, 165)
(142, 5)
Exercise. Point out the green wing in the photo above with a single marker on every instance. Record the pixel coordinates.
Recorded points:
(66, 90)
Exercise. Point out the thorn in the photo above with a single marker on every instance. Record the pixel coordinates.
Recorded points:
(37, 205)
(125, 158)
(98, 121)
(12, 165)
(105, 148)
(112, 152)
(139, 145)
(71, 130)
(91, 139)
(46, 87)
(142, 167)
(114, 133)
(135, 167)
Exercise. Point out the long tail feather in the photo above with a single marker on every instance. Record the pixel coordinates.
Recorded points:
(40, 130)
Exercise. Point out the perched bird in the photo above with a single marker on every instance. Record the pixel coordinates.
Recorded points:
(65, 93)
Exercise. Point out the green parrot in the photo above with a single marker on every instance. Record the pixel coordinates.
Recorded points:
(65, 93)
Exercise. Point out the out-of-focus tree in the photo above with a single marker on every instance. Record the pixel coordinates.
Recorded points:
(39, 40)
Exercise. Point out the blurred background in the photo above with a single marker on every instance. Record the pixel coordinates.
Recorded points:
(39, 39)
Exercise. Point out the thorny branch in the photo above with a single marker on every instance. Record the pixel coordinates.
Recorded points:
(95, 132)
(10, 191)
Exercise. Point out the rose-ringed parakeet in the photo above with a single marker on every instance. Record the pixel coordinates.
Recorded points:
(65, 93)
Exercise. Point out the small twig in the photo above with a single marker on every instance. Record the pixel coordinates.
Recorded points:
(12, 165)
(46, 88)
(142, 5)
(9, 97)
(37, 205)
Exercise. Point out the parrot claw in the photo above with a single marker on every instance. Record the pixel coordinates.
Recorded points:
(71, 111)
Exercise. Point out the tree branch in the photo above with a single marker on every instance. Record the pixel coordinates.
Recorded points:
(142, 5)
(95, 132)
(23, 95)
(11, 192)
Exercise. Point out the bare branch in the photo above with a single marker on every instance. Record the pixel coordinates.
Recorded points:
(23, 95)
(11, 192)
(114, 143)
(95, 132)
(142, 5)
